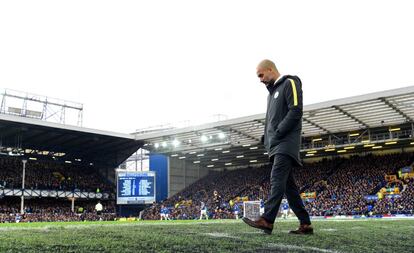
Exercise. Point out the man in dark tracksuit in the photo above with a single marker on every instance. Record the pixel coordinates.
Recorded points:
(282, 139)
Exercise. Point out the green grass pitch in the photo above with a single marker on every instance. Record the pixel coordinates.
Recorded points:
(207, 236)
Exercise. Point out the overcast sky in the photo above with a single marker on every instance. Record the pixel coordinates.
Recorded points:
(135, 64)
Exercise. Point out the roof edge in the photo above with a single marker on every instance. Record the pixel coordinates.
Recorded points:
(37, 122)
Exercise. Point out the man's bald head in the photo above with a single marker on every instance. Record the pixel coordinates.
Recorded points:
(267, 64)
(267, 72)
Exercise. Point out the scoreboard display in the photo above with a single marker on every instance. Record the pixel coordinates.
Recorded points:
(135, 187)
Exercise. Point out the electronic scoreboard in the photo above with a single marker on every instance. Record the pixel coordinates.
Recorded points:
(135, 187)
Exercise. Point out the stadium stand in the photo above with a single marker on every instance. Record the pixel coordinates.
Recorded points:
(52, 176)
(344, 191)
(340, 186)
(402, 205)
(49, 209)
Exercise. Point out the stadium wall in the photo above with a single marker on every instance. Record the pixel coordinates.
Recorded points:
(160, 164)
(183, 174)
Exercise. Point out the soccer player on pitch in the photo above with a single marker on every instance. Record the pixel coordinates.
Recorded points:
(236, 210)
(285, 209)
(164, 213)
(203, 211)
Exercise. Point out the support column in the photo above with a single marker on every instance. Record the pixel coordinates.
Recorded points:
(72, 208)
(24, 161)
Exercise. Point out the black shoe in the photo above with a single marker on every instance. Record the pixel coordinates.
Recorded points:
(261, 223)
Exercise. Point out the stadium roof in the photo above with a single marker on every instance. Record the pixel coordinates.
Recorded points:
(42, 139)
(242, 135)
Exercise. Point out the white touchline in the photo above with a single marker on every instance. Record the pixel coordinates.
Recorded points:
(328, 229)
(221, 235)
(303, 248)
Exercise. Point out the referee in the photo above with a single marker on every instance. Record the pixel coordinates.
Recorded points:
(282, 137)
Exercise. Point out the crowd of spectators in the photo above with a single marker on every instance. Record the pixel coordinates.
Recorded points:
(51, 176)
(340, 186)
(344, 191)
(404, 204)
(49, 209)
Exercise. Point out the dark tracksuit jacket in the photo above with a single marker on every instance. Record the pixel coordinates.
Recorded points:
(283, 126)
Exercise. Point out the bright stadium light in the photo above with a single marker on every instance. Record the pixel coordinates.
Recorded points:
(227, 164)
(226, 151)
(221, 136)
(341, 151)
(214, 159)
(204, 138)
(354, 134)
(391, 143)
(33, 158)
(196, 162)
(210, 166)
(310, 154)
(181, 157)
(329, 149)
(253, 161)
(350, 147)
(377, 147)
(156, 145)
(176, 143)
(240, 156)
(200, 155)
(253, 148)
(218, 149)
(174, 155)
(164, 144)
(246, 145)
(15, 153)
